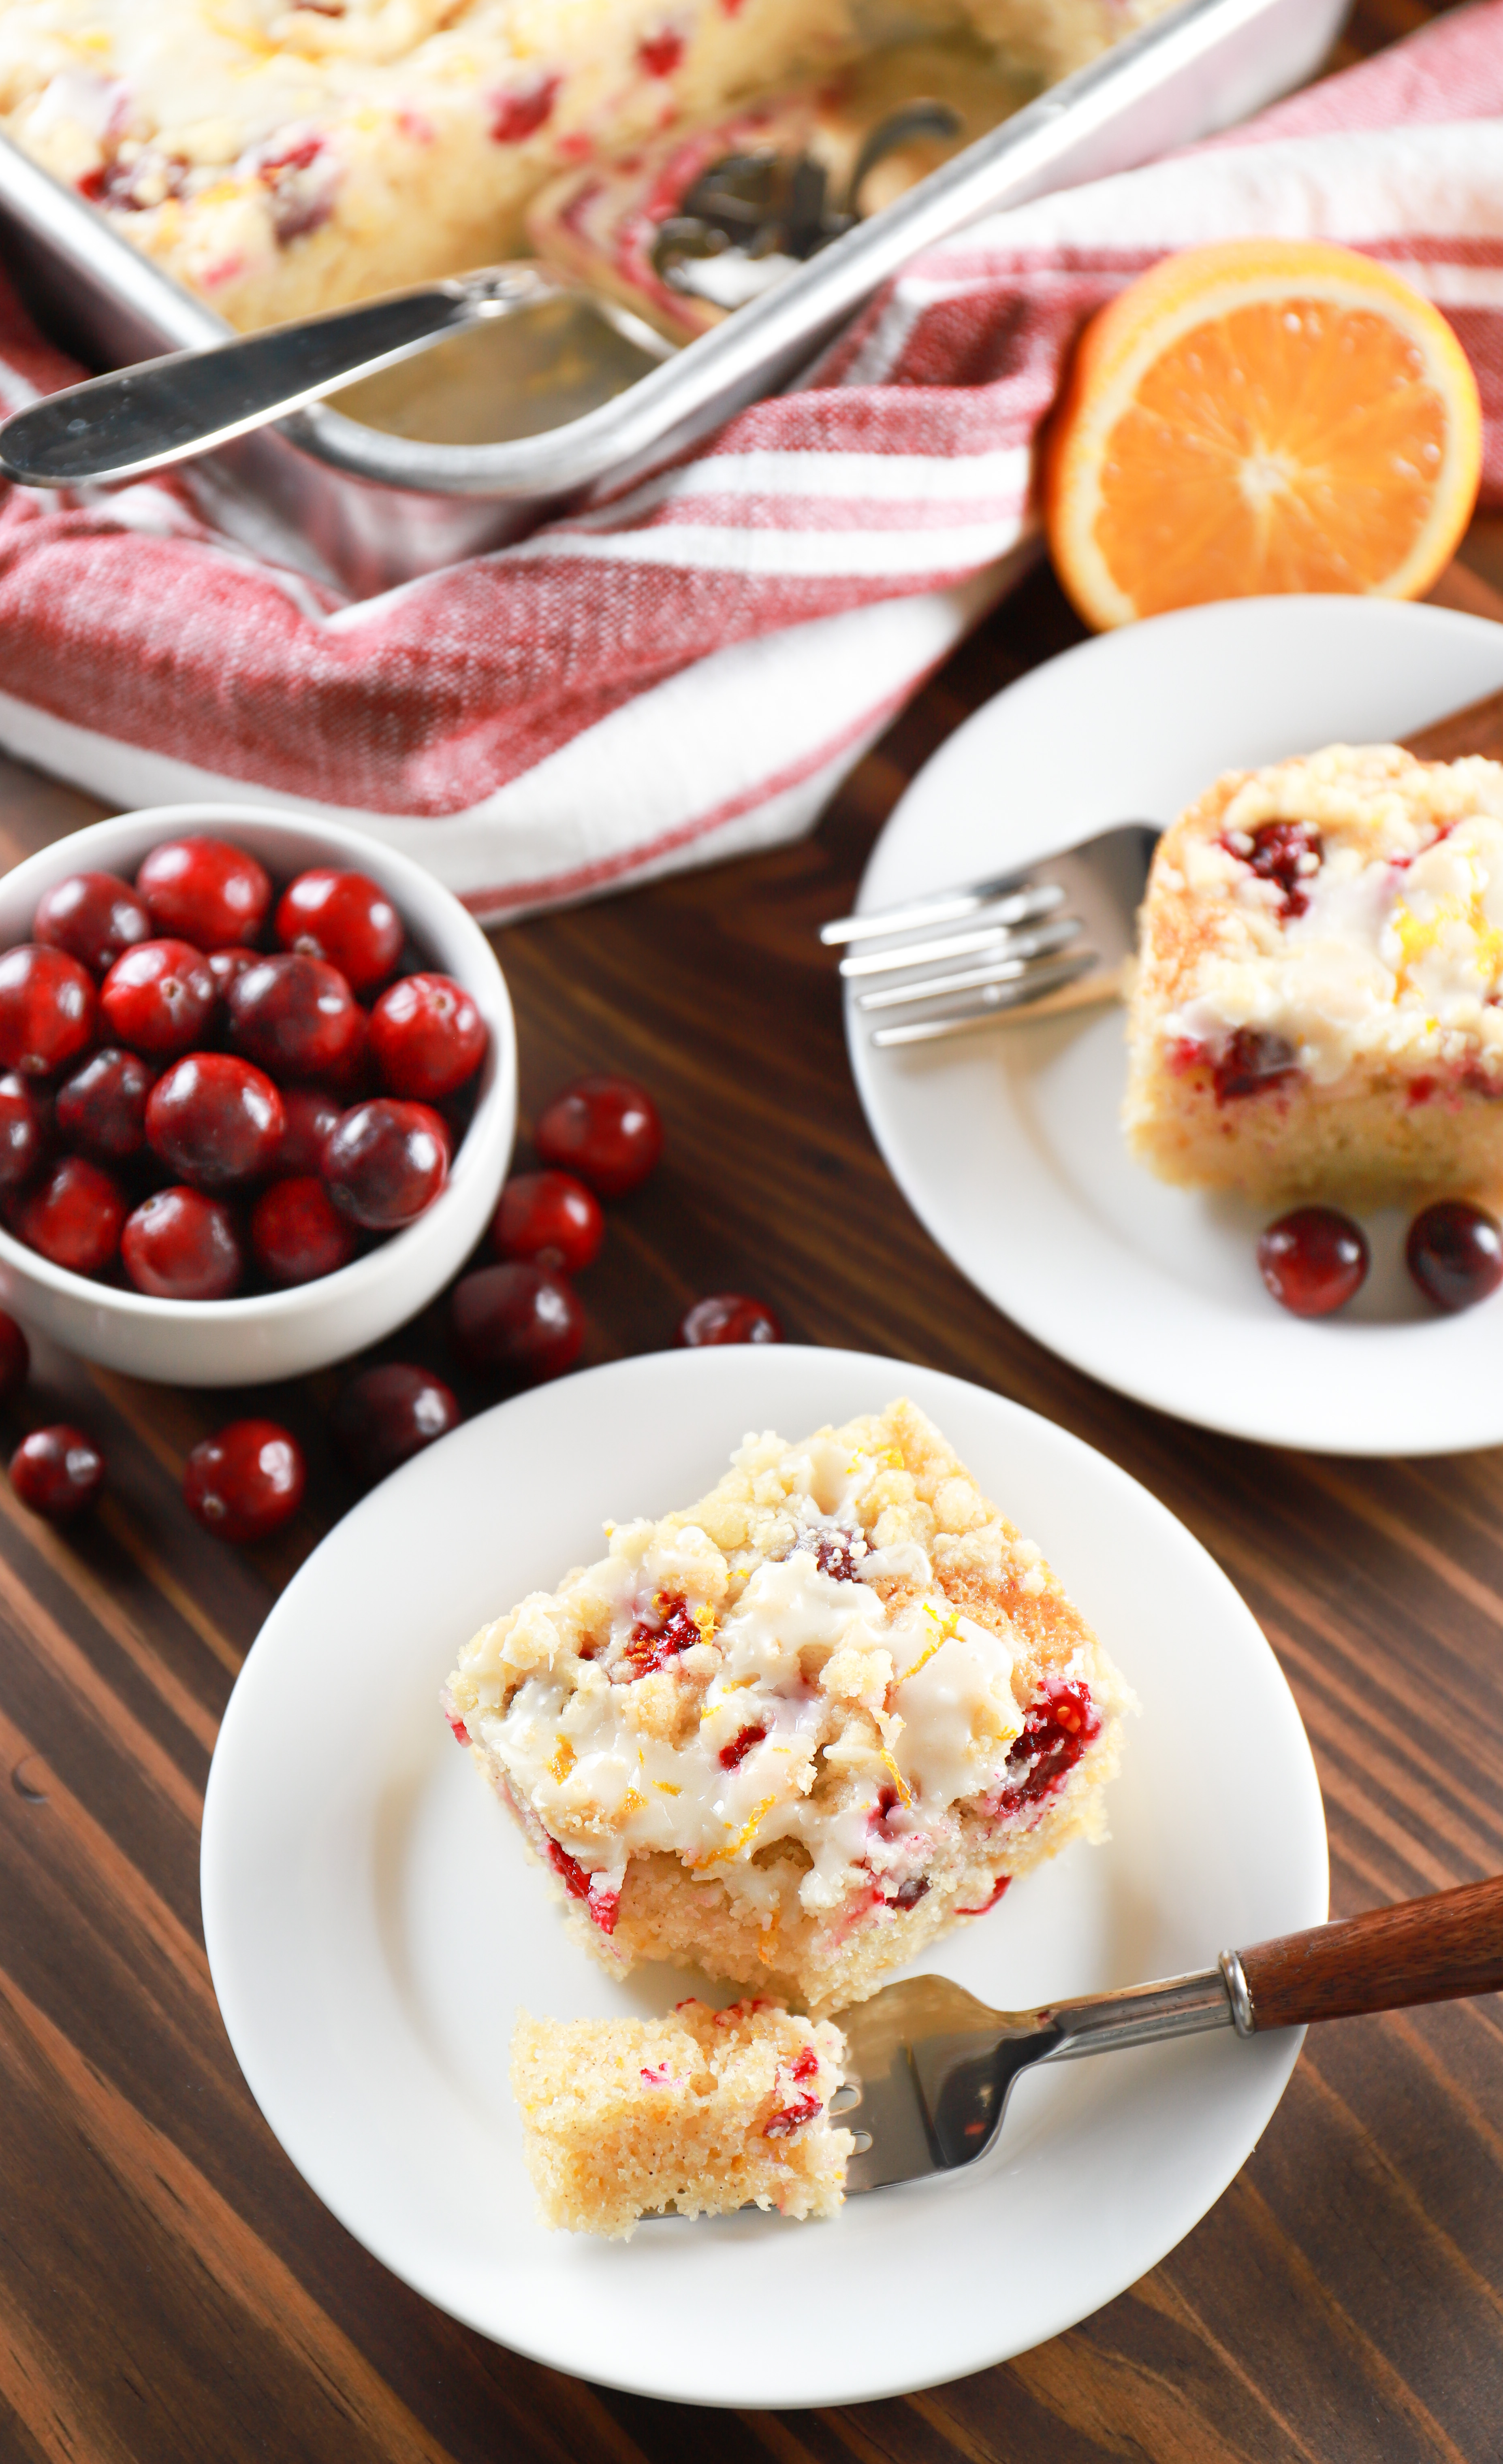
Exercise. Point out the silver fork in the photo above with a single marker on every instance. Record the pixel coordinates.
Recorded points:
(929, 2069)
(1053, 936)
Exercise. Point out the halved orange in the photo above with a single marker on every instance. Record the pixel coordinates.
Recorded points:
(1260, 415)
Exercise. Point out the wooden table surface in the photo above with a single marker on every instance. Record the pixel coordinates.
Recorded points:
(170, 2290)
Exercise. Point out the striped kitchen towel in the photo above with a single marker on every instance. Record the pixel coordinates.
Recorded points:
(687, 671)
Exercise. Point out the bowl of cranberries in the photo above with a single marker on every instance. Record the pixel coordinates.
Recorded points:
(258, 1093)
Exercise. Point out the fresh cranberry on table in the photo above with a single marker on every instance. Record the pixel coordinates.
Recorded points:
(294, 1016)
(205, 892)
(58, 1472)
(23, 1130)
(384, 1162)
(311, 1113)
(245, 1480)
(95, 916)
(389, 1412)
(48, 1009)
(297, 1232)
(427, 1037)
(228, 966)
(72, 1216)
(345, 919)
(1454, 1252)
(180, 1245)
(216, 1120)
(159, 998)
(551, 1217)
(520, 1317)
(101, 1108)
(15, 1356)
(729, 1317)
(1313, 1261)
(605, 1130)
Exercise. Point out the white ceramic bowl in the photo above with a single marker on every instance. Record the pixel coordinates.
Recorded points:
(279, 1334)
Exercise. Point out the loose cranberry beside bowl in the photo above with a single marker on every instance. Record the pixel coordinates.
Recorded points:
(305, 1325)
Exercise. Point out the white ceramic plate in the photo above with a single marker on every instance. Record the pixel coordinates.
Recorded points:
(372, 1925)
(1006, 1143)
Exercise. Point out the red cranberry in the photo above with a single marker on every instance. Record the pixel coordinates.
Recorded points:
(159, 998)
(295, 1015)
(228, 966)
(15, 1356)
(23, 1130)
(216, 1120)
(298, 1234)
(383, 1162)
(1061, 1722)
(95, 916)
(72, 1216)
(1314, 1260)
(311, 1114)
(1287, 853)
(101, 1108)
(427, 1037)
(180, 1245)
(729, 1317)
(388, 1413)
(519, 1317)
(245, 1480)
(607, 1130)
(551, 1217)
(56, 1471)
(1251, 1063)
(48, 1008)
(205, 892)
(1455, 1253)
(345, 919)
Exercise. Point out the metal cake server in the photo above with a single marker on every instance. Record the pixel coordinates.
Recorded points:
(929, 2068)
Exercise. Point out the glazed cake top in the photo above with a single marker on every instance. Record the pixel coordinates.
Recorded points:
(1350, 903)
(819, 1652)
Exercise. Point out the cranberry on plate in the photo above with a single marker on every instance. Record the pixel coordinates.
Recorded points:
(551, 1217)
(206, 892)
(427, 1037)
(389, 1412)
(159, 998)
(48, 1007)
(295, 1016)
(216, 1120)
(729, 1317)
(297, 1232)
(95, 916)
(245, 1480)
(311, 1114)
(58, 1472)
(15, 1356)
(383, 1162)
(180, 1245)
(605, 1130)
(1314, 1260)
(101, 1108)
(23, 1130)
(520, 1317)
(1454, 1252)
(346, 918)
(72, 1216)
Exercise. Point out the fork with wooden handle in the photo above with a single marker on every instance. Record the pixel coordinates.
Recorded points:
(929, 2069)
(1057, 936)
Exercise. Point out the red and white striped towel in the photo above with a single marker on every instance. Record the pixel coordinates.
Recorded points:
(688, 671)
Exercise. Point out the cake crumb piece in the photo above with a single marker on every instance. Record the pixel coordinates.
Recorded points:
(701, 2112)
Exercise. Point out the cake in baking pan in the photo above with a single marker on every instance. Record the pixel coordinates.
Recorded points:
(702, 2112)
(795, 1732)
(1316, 1010)
(281, 160)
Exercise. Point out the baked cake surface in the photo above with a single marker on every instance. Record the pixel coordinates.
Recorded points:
(702, 2112)
(794, 1731)
(280, 160)
(1316, 1010)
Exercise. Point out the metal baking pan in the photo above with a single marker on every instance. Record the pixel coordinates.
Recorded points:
(371, 507)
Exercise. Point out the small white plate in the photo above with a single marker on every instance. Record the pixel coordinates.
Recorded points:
(1006, 1143)
(372, 1925)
